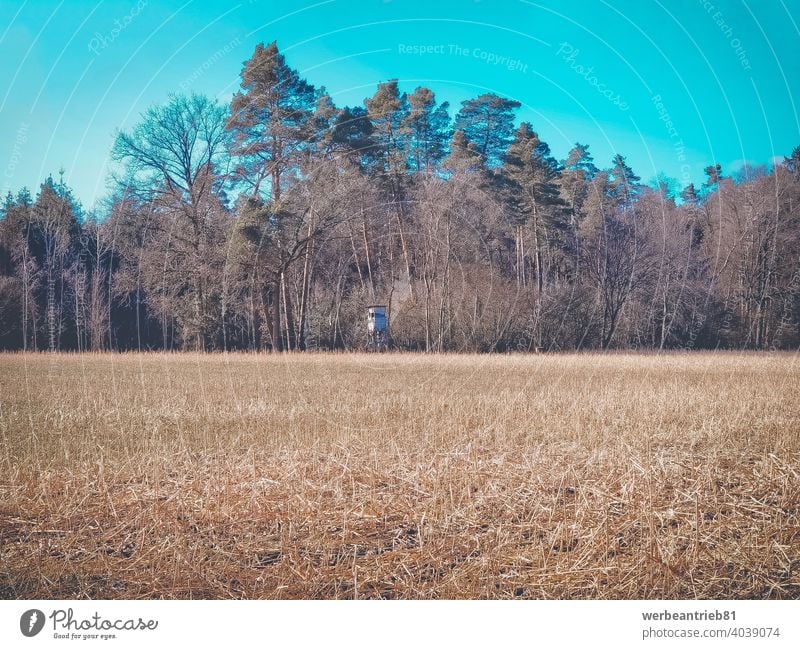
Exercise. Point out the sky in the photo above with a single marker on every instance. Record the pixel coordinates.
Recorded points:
(673, 85)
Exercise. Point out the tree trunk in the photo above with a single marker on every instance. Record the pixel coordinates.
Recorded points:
(288, 318)
(272, 313)
(366, 252)
(399, 215)
(308, 267)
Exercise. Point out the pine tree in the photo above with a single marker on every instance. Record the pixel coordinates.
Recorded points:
(428, 129)
(351, 136)
(271, 120)
(488, 122)
(579, 160)
(322, 126)
(689, 194)
(463, 157)
(388, 113)
(578, 170)
(532, 192)
(55, 217)
(624, 183)
(665, 185)
(713, 175)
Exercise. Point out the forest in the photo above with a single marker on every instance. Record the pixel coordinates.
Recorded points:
(269, 224)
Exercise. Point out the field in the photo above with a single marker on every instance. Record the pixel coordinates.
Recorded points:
(400, 476)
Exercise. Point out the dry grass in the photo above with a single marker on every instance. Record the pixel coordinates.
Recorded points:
(395, 476)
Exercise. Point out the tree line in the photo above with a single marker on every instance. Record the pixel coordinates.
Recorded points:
(271, 223)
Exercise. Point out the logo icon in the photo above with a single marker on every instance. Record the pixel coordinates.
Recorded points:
(31, 622)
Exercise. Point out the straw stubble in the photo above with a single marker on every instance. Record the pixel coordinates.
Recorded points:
(400, 476)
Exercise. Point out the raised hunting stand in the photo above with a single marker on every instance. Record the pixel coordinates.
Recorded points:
(377, 328)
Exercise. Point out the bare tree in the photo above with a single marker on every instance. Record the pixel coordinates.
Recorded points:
(173, 159)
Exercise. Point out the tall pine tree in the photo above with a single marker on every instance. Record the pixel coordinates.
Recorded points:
(488, 122)
(271, 121)
(532, 191)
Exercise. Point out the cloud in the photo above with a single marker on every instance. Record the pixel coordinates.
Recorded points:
(737, 165)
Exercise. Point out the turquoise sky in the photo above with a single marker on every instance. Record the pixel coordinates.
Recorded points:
(672, 85)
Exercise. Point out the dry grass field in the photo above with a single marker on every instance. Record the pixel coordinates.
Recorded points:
(400, 476)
